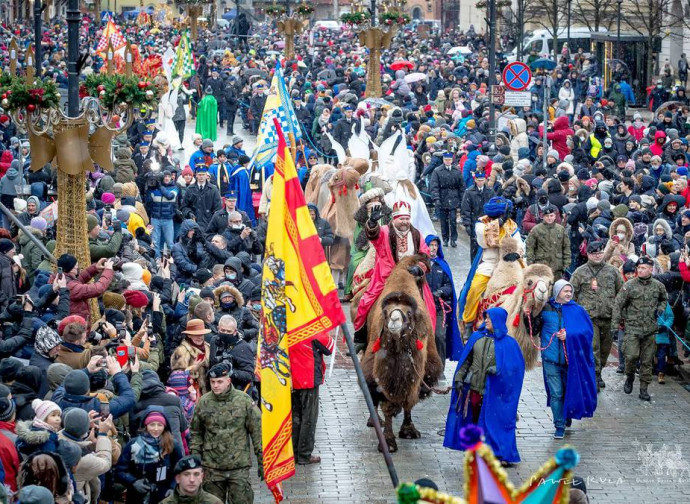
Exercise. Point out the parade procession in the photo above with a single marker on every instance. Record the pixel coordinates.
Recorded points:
(362, 252)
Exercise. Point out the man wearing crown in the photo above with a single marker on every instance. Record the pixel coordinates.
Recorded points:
(392, 242)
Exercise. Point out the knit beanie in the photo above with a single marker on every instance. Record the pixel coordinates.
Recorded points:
(554, 154)
(5, 245)
(39, 223)
(67, 262)
(76, 382)
(44, 408)
(34, 494)
(108, 198)
(70, 453)
(91, 222)
(558, 287)
(155, 417)
(113, 300)
(591, 203)
(6, 409)
(9, 368)
(76, 420)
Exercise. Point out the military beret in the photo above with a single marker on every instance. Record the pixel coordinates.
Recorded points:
(187, 463)
(645, 260)
(220, 370)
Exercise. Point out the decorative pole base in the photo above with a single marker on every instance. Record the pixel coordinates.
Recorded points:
(376, 39)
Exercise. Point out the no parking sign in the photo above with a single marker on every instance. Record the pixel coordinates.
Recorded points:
(517, 76)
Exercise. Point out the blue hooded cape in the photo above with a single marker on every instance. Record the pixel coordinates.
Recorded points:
(454, 344)
(580, 399)
(501, 395)
(239, 181)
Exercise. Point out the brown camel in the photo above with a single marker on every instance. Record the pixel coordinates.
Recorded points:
(401, 363)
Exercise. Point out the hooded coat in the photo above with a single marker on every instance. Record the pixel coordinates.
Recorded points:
(518, 132)
(125, 168)
(617, 252)
(559, 136)
(501, 396)
(31, 439)
(25, 389)
(323, 228)
(186, 253)
(246, 323)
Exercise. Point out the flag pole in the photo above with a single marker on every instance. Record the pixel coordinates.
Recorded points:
(370, 404)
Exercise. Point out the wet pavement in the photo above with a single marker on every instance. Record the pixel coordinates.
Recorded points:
(631, 451)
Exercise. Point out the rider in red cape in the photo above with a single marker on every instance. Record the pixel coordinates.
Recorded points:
(392, 242)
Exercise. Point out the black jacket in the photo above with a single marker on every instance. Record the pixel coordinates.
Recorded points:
(202, 203)
(250, 244)
(447, 187)
(153, 394)
(343, 130)
(323, 228)
(219, 222)
(473, 206)
(239, 353)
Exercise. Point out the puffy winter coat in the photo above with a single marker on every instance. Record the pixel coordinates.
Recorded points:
(161, 202)
(518, 132)
(80, 290)
(125, 167)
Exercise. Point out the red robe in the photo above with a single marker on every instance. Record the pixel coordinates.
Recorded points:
(385, 262)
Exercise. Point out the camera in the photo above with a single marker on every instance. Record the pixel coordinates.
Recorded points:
(121, 330)
(153, 180)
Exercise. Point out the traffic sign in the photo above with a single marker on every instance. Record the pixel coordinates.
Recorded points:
(517, 76)
(498, 94)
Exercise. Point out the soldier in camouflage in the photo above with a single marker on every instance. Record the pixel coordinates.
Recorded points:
(548, 244)
(638, 305)
(189, 475)
(224, 420)
(596, 285)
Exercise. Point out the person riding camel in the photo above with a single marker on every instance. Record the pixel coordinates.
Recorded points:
(391, 242)
(490, 230)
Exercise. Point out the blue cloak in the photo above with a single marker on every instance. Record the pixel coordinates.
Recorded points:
(580, 399)
(501, 395)
(454, 344)
(239, 181)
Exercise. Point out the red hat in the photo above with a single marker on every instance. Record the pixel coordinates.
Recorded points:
(136, 299)
(71, 319)
(4, 118)
(187, 171)
(427, 108)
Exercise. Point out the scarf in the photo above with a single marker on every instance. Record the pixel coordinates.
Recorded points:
(40, 424)
(201, 348)
(146, 449)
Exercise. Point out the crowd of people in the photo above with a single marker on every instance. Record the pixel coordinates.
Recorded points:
(133, 378)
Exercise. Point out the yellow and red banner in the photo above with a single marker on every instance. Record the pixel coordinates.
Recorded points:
(300, 301)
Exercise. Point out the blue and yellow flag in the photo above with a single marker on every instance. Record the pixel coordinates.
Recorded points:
(300, 301)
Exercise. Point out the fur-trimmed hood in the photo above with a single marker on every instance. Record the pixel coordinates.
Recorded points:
(668, 233)
(628, 228)
(31, 436)
(232, 290)
(517, 126)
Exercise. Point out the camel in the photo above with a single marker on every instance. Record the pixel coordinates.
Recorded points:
(401, 363)
(514, 288)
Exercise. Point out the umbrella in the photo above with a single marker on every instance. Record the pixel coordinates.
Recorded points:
(414, 77)
(545, 63)
(280, 44)
(256, 71)
(402, 65)
(272, 53)
(459, 49)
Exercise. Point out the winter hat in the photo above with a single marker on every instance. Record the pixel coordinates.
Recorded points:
(179, 380)
(70, 319)
(4, 391)
(39, 223)
(76, 382)
(206, 144)
(136, 299)
(70, 453)
(76, 420)
(591, 203)
(207, 293)
(146, 275)
(620, 211)
(132, 272)
(563, 176)
(56, 374)
(34, 494)
(203, 275)
(155, 417)
(558, 287)
(7, 409)
(19, 205)
(5, 245)
(523, 153)
(46, 339)
(554, 154)
(603, 205)
(113, 300)
(66, 261)
(9, 369)
(91, 222)
(44, 408)
(108, 198)
(122, 215)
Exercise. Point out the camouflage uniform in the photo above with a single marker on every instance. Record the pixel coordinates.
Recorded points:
(595, 289)
(549, 244)
(637, 304)
(220, 431)
(201, 498)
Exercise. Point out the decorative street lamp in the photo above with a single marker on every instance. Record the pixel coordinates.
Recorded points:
(376, 36)
(100, 108)
(290, 23)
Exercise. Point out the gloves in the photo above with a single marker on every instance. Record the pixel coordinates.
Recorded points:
(260, 472)
(438, 293)
(141, 486)
(375, 216)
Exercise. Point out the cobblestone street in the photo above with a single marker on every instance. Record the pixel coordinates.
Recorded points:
(628, 450)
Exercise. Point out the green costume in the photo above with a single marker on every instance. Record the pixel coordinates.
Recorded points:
(207, 117)
(202, 497)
